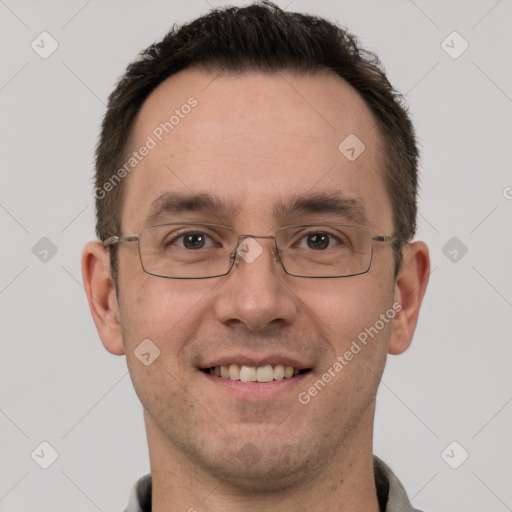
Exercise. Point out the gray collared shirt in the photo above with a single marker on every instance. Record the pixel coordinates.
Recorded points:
(391, 493)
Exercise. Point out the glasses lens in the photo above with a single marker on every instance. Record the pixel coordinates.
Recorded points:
(187, 251)
(330, 250)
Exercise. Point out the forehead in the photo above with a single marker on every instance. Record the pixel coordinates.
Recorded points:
(254, 141)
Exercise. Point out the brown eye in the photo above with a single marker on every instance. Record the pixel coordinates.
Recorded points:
(318, 240)
(194, 240)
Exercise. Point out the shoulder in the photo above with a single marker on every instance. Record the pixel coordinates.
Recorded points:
(140, 496)
(388, 483)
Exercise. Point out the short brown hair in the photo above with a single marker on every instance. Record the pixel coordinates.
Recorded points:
(260, 37)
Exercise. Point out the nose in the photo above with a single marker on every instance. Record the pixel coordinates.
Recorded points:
(256, 292)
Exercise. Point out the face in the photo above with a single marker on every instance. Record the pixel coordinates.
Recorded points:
(253, 142)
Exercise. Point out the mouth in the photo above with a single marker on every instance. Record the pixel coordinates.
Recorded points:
(262, 374)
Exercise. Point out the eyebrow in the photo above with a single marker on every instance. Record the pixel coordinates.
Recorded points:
(177, 204)
(333, 203)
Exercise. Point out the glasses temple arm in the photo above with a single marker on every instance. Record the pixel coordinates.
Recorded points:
(385, 238)
(116, 239)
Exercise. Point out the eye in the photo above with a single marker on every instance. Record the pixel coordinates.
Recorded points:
(319, 240)
(192, 240)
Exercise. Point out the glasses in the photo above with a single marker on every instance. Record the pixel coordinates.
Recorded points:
(200, 251)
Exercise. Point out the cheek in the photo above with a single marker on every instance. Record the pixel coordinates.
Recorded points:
(167, 312)
(156, 322)
(346, 384)
(347, 307)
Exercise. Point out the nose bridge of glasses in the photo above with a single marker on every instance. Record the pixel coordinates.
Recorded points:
(249, 251)
(241, 237)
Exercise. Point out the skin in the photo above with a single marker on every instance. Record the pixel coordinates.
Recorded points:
(255, 139)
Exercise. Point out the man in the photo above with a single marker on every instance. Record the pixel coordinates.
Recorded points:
(256, 200)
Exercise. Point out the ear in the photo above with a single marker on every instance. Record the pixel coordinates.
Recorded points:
(100, 290)
(409, 291)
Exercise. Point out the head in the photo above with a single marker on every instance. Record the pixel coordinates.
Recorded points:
(262, 100)
(289, 42)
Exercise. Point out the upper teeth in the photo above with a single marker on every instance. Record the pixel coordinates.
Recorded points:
(244, 373)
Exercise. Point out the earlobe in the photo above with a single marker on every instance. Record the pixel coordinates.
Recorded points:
(409, 292)
(100, 291)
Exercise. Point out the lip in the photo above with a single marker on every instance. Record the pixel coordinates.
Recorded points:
(259, 360)
(255, 391)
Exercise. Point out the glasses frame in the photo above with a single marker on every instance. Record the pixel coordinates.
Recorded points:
(113, 240)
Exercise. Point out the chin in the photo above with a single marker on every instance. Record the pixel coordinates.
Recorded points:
(261, 466)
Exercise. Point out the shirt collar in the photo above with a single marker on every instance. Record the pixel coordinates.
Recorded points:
(385, 479)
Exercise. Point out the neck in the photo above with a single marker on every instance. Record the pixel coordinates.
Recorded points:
(343, 483)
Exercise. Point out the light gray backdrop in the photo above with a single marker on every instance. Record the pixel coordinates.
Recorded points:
(57, 383)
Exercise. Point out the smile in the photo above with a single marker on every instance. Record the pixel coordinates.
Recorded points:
(264, 373)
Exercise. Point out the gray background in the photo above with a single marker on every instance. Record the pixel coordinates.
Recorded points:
(58, 384)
